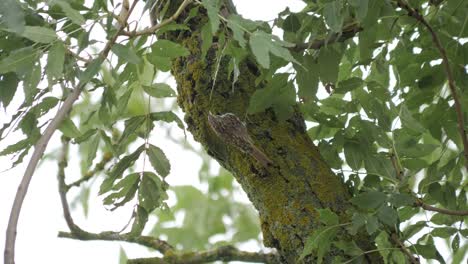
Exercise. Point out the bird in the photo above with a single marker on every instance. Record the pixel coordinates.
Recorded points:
(233, 131)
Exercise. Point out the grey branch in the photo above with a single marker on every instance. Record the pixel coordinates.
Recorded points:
(223, 253)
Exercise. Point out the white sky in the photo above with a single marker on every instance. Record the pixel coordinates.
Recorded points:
(41, 217)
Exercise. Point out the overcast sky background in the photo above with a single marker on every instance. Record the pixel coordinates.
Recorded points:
(41, 217)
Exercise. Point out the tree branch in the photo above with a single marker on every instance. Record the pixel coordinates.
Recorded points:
(448, 71)
(336, 37)
(427, 207)
(147, 241)
(223, 253)
(80, 234)
(39, 148)
(404, 249)
(152, 29)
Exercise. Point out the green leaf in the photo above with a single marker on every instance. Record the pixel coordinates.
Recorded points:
(413, 229)
(402, 199)
(91, 70)
(131, 126)
(429, 251)
(207, 39)
(152, 192)
(263, 43)
(361, 7)
(92, 150)
(20, 61)
(122, 256)
(367, 43)
(328, 217)
(349, 84)
(307, 78)
(124, 191)
(383, 244)
(139, 222)
(31, 81)
(12, 15)
(212, 7)
(320, 242)
(71, 13)
(371, 224)
(8, 84)
(20, 145)
(159, 90)
(436, 192)
(456, 243)
(358, 220)
(126, 53)
(167, 117)
(349, 247)
(119, 168)
(333, 16)
(235, 24)
(354, 154)
(279, 94)
(29, 126)
(55, 60)
(369, 200)
(169, 49)
(387, 215)
(409, 121)
(159, 160)
(443, 232)
(381, 165)
(39, 34)
(85, 136)
(329, 60)
(69, 129)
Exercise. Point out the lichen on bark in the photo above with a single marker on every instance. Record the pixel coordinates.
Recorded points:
(286, 195)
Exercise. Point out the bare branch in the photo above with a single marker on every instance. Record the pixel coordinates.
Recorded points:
(427, 207)
(223, 253)
(147, 241)
(39, 148)
(151, 30)
(448, 71)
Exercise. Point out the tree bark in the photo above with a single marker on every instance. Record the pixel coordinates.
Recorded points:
(287, 194)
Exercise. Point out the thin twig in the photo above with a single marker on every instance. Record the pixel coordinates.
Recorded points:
(147, 241)
(152, 29)
(39, 148)
(427, 207)
(90, 174)
(448, 71)
(223, 253)
(404, 249)
(337, 37)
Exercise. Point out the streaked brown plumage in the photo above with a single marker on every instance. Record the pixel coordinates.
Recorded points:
(232, 131)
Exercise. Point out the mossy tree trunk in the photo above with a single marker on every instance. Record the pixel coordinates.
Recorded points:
(286, 195)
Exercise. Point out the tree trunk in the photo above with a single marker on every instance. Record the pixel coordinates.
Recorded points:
(286, 194)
